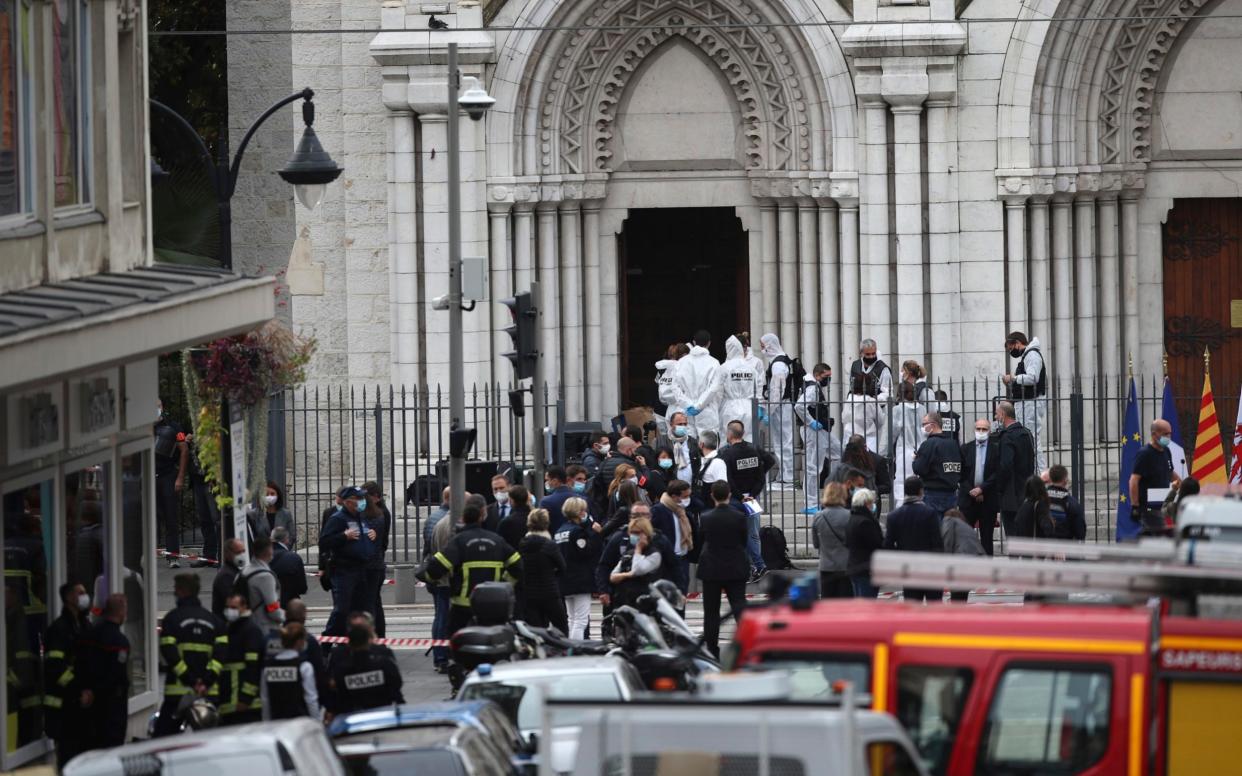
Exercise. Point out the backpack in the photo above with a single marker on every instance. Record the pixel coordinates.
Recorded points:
(241, 583)
(774, 548)
(793, 383)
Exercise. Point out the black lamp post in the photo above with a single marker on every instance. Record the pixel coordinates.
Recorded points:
(310, 169)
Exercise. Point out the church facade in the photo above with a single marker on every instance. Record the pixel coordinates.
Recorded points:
(930, 174)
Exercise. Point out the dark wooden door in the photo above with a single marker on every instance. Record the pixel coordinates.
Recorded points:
(682, 269)
(1203, 307)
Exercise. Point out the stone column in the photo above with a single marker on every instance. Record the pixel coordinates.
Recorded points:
(754, 272)
(435, 250)
(830, 295)
(809, 287)
(908, 208)
(942, 238)
(403, 250)
(523, 244)
(611, 322)
(1112, 358)
(787, 313)
(571, 304)
(1062, 288)
(549, 283)
(591, 297)
(501, 270)
(850, 313)
(1129, 272)
(876, 318)
(1084, 287)
(1015, 249)
(1041, 283)
(771, 295)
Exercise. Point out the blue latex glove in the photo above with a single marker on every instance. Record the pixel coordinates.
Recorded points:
(816, 425)
(692, 411)
(763, 415)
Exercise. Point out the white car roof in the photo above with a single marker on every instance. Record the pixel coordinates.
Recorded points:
(557, 666)
(1210, 510)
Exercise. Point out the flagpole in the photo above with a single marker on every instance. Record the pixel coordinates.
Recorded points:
(1207, 361)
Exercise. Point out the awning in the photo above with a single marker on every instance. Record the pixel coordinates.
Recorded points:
(86, 324)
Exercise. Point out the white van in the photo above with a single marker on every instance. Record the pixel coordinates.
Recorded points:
(296, 746)
(1211, 519)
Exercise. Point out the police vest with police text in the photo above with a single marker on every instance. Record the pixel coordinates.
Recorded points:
(285, 697)
(1058, 508)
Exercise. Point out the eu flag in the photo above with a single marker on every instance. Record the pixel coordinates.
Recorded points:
(1168, 412)
(1131, 443)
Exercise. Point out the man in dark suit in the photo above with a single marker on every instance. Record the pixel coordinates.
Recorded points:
(288, 567)
(724, 565)
(978, 495)
(1017, 463)
(499, 508)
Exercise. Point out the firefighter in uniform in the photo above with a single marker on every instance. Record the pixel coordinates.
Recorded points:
(365, 679)
(289, 690)
(62, 690)
(103, 667)
(473, 556)
(1028, 385)
(192, 646)
(238, 690)
(871, 384)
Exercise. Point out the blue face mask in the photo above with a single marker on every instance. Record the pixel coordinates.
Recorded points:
(362, 505)
(680, 431)
(579, 487)
(633, 540)
(666, 463)
(1166, 441)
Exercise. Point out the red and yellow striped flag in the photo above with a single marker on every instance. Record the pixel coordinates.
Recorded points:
(1208, 464)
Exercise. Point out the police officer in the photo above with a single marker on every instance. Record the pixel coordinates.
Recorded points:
(1068, 520)
(238, 697)
(172, 459)
(288, 689)
(819, 446)
(938, 461)
(781, 386)
(103, 666)
(747, 468)
(363, 679)
(192, 646)
(871, 384)
(1027, 387)
(352, 541)
(473, 556)
(62, 688)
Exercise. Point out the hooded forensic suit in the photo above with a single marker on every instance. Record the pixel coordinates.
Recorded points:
(907, 432)
(780, 408)
(666, 369)
(691, 379)
(734, 389)
(817, 440)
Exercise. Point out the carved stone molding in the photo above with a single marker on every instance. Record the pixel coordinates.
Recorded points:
(577, 114)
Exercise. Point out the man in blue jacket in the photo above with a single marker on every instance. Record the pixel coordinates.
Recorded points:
(351, 540)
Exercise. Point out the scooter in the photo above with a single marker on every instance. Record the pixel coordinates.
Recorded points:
(665, 603)
(495, 637)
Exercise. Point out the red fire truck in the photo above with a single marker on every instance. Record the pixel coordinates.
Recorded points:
(1151, 685)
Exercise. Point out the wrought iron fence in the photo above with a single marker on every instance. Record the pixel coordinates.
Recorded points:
(399, 438)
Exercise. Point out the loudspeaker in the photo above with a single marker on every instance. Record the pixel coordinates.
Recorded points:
(578, 437)
(478, 475)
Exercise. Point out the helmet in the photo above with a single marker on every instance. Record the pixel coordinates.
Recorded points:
(200, 714)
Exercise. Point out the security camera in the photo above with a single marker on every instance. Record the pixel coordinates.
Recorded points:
(474, 100)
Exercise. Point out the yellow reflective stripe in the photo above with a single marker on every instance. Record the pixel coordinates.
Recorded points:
(196, 647)
(1201, 642)
(180, 668)
(168, 640)
(214, 666)
(175, 689)
(22, 654)
(234, 666)
(879, 678)
(227, 708)
(496, 567)
(251, 656)
(32, 701)
(445, 562)
(66, 677)
(1027, 643)
(1136, 726)
(222, 639)
(53, 701)
(249, 688)
(514, 558)
(55, 654)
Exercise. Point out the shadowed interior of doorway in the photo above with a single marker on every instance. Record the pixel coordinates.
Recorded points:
(682, 269)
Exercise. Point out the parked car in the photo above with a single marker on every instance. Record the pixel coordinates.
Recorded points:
(292, 746)
(521, 689)
(386, 739)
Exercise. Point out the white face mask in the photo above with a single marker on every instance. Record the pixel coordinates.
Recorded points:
(603, 449)
(981, 436)
(634, 480)
(269, 500)
(84, 602)
(232, 614)
(685, 502)
(502, 496)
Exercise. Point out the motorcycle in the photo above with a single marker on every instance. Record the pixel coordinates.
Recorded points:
(656, 640)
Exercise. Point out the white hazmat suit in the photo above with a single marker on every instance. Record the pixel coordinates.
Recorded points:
(907, 429)
(818, 443)
(666, 368)
(780, 410)
(863, 414)
(691, 380)
(734, 389)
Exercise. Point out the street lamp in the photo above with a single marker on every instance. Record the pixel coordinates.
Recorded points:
(310, 169)
(476, 102)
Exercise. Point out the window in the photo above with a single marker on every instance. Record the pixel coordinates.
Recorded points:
(929, 705)
(524, 704)
(28, 518)
(71, 102)
(812, 675)
(16, 153)
(88, 496)
(889, 758)
(134, 572)
(1048, 719)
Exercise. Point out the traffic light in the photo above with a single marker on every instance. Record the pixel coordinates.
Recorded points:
(522, 332)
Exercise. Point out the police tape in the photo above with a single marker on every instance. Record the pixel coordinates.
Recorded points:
(749, 596)
(192, 558)
(396, 643)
